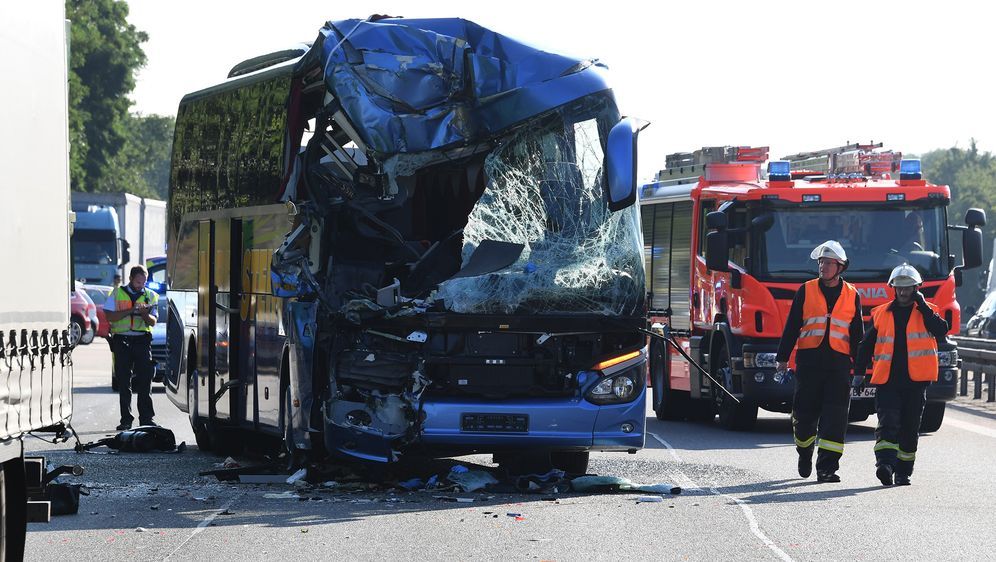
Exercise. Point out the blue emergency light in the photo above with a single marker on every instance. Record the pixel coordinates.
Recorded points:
(779, 170)
(909, 170)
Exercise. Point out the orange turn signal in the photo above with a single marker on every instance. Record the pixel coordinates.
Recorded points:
(616, 360)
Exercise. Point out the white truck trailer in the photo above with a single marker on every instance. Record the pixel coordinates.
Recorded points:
(141, 229)
(35, 222)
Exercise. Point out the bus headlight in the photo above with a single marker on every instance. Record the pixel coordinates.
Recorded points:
(947, 358)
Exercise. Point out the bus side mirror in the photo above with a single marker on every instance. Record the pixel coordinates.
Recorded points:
(620, 163)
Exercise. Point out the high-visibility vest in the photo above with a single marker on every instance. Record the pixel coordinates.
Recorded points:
(815, 318)
(921, 346)
(122, 301)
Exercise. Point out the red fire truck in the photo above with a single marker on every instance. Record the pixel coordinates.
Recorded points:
(727, 246)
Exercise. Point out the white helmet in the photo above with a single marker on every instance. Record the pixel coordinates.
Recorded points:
(905, 276)
(830, 249)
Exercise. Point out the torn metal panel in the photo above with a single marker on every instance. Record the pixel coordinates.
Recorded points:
(301, 331)
(414, 85)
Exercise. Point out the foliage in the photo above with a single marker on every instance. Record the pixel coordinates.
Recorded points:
(971, 175)
(105, 52)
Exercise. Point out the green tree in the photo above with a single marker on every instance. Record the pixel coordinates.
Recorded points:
(105, 52)
(142, 165)
(971, 175)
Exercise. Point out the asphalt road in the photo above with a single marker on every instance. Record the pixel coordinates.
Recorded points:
(742, 500)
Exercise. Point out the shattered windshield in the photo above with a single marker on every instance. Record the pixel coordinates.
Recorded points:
(876, 240)
(545, 192)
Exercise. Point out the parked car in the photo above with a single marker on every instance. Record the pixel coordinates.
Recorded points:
(83, 314)
(983, 322)
(98, 294)
(157, 282)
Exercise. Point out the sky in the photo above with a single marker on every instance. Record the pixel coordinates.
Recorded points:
(792, 75)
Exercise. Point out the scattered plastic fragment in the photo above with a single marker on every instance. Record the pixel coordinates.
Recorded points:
(471, 480)
(281, 496)
(649, 499)
(297, 476)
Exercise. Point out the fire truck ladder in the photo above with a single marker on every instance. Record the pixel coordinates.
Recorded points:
(852, 158)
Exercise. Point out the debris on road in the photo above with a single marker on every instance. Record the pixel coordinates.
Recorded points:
(142, 439)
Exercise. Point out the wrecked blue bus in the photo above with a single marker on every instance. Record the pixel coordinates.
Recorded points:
(412, 235)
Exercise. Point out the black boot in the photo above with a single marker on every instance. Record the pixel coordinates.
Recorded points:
(805, 463)
(902, 480)
(884, 473)
(827, 477)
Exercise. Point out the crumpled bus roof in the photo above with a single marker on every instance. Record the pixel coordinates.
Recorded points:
(411, 85)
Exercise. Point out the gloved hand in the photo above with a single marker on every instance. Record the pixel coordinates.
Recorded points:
(857, 381)
(920, 300)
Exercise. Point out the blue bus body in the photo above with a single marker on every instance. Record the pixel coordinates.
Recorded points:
(410, 235)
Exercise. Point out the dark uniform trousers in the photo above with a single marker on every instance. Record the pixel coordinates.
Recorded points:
(899, 408)
(819, 414)
(134, 369)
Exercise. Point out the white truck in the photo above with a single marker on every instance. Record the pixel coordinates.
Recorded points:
(101, 248)
(35, 223)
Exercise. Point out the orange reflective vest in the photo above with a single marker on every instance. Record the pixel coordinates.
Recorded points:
(921, 346)
(815, 318)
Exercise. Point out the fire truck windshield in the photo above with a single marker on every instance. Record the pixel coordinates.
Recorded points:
(876, 240)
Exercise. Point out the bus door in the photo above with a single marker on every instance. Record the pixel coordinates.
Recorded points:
(219, 287)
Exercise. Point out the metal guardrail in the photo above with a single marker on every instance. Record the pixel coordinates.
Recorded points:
(978, 356)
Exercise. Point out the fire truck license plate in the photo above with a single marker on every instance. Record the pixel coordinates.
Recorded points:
(868, 392)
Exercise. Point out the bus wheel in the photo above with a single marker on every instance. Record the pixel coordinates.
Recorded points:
(571, 462)
(933, 416)
(201, 435)
(732, 415)
(295, 456)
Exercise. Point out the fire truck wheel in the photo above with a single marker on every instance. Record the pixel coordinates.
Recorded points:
(668, 404)
(933, 416)
(733, 415)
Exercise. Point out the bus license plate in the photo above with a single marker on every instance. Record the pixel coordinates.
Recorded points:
(867, 392)
(500, 423)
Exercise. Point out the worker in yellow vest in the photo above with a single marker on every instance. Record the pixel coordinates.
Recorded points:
(825, 324)
(902, 347)
(132, 311)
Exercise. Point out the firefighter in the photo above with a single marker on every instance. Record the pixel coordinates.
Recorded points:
(131, 309)
(825, 322)
(902, 347)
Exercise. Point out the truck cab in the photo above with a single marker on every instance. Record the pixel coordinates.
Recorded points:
(97, 248)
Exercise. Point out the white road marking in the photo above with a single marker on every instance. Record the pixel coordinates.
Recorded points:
(969, 426)
(670, 449)
(755, 528)
(203, 524)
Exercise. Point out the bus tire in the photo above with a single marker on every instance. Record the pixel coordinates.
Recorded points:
(295, 456)
(933, 416)
(571, 462)
(201, 435)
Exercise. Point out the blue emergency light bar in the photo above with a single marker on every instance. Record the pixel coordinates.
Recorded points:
(909, 170)
(779, 170)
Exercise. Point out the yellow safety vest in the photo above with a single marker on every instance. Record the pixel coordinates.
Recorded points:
(130, 323)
